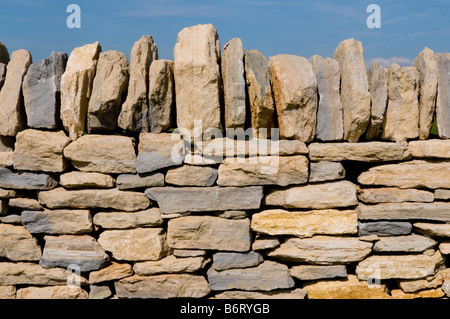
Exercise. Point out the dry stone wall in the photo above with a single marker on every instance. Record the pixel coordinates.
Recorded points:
(122, 180)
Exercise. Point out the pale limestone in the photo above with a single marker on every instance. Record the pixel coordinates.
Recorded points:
(305, 224)
(187, 175)
(400, 267)
(93, 198)
(86, 179)
(315, 272)
(209, 233)
(355, 94)
(413, 174)
(378, 87)
(119, 220)
(57, 221)
(404, 211)
(170, 265)
(410, 243)
(393, 195)
(137, 244)
(103, 154)
(112, 272)
(76, 88)
(54, 292)
(316, 196)
(326, 171)
(364, 152)
(430, 148)
(294, 87)
(438, 230)
(17, 244)
(263, 170)
(322, 250)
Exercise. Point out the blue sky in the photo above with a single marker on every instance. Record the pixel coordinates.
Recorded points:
(273, 27)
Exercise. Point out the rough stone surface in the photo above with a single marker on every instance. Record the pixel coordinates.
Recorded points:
(427, 67)
(197, 78)
(430, 148)
(209, 233)
(94, 198)
(315, 272)
(316, 196)
(378, 87)
(198, 199)
(76, 87)
(410, 243)
(188, 175)
(228, 147)
(135, 244)
(363, 152)
(57, 221)
(275, 294)
(351, 288)
(185, 253)
(305, 224)
(232, 214)
(414, 174)
(232, 66)
(401, 121)
(99, 292)
(259, 90)
(355, 94)
(224, 261)
(11, 219)
(110, 82)
(29, 181)
(434, 293)
(83, 179)
(6, 159)
(158, 151)
(11, 102)
(438, 230)
(112, 272)
(326, 171)
(134, 115)
(9, 193)
(294, 87)
(267, 276)
(37, 150)
(265, 242)
(130, 181)
(170, 265)
(393, 195)
(322, 250)
(384, 228)
(7, 292)
(161, 96)
(2, 74)
(54, 292)
(443, 95)
(41, 91)
(415, 285)
(405, 211)
(65, 250)
(162, 286)
(330, 125)
(103, 154)
(401, 267)
(263, 170)
(117, 220)
(442, 194)
(444, 248)
(23, 273)
(16, 243)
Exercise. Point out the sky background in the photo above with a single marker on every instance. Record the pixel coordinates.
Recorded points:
(273, 27)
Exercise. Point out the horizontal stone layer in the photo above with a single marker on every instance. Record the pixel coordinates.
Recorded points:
(405, 211)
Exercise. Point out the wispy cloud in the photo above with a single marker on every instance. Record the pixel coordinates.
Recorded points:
(402, 61)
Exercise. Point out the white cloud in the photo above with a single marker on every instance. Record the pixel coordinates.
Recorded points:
(402, 61)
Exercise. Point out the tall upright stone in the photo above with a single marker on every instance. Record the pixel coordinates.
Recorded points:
(234, 83)
(197, 78)
(161, 96)
(377, 77)
(259, 91)
(109, 85)
(295, 92)
(426, 65)
(355, 94)
(76, 87)
(401, 121)
(41, 91)
(4, 59)
(134, 114)
(330, 125)
(11, 102)
(443, 95)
